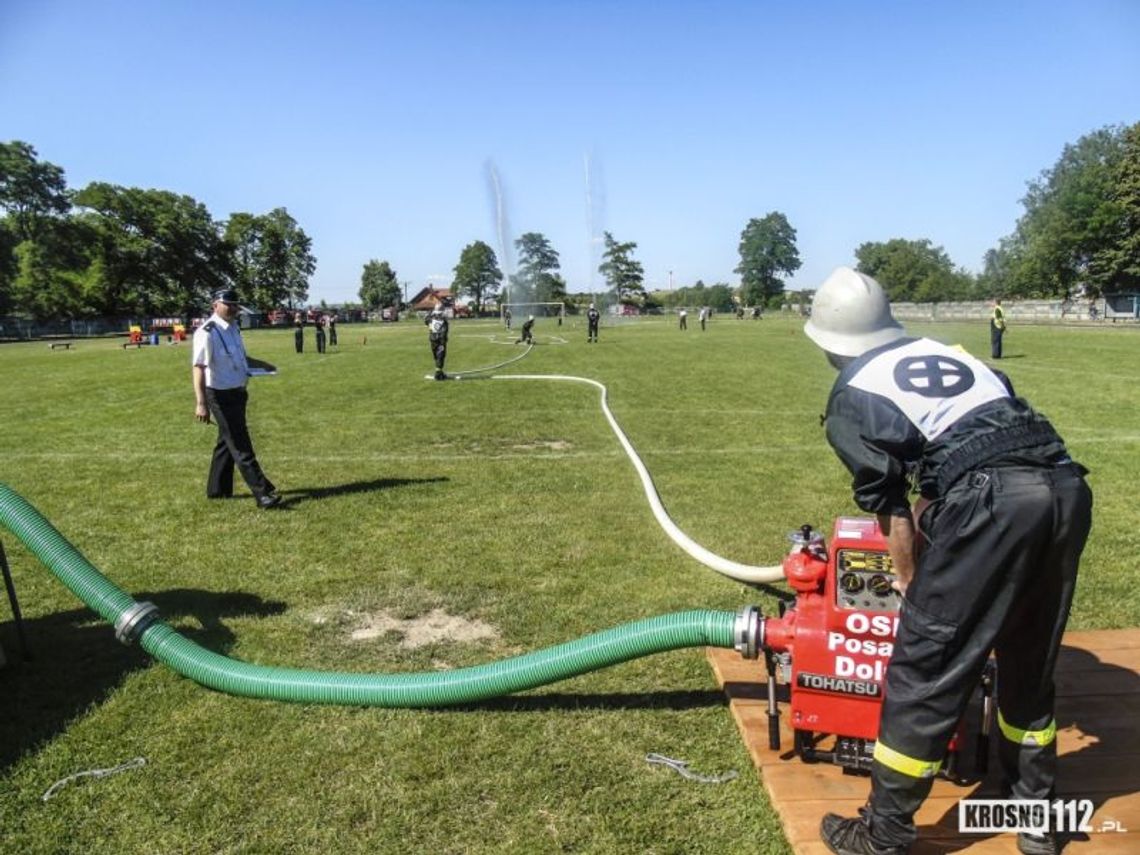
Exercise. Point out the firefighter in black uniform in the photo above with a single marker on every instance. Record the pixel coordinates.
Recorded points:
(592, 318)
(220, 371)
(527, 326)
(437, 337)
(1004, 514)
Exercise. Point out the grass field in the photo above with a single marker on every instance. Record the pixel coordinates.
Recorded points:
(505, 503)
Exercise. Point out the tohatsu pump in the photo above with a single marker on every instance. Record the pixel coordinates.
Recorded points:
(832, 646)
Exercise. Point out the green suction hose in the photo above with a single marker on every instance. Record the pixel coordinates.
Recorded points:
(136, 621)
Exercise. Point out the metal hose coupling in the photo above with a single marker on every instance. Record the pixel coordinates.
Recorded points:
(134, 622)
(748, 632)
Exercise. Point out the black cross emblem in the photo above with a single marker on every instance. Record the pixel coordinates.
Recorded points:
(933, 376)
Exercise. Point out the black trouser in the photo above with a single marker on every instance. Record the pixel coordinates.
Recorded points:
(332, 336)
(438, 353)
(997, 574)
(299, 340)
(592, 331)
(320, 341)
(227, 407)
(995, 340)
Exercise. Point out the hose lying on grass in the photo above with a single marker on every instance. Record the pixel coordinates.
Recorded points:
(139, 622)
(748, 573)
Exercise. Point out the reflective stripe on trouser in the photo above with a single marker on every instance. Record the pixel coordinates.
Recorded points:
(998, 574)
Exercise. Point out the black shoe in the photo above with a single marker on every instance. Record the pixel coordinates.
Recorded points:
(268, 500)
(1038, 844)
(852, 836)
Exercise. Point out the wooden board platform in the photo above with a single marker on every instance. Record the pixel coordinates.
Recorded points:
(1098, 737)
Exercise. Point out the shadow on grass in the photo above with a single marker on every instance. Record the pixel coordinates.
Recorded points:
(303, 494)
(76, 661)
(663, 700)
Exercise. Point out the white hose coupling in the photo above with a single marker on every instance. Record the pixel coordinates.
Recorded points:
(748, 632)
(134, 622)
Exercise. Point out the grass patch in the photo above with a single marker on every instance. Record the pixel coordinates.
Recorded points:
(504, 504)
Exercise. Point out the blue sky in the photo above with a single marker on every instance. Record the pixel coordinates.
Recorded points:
(375, 123)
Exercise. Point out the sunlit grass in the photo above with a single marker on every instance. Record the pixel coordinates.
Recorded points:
(507, 502)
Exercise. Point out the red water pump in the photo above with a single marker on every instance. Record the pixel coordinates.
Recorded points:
(832, 646)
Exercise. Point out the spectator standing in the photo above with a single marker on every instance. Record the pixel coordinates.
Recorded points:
(997, 329)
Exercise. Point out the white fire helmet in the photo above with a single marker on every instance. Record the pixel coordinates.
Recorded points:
(851, 315)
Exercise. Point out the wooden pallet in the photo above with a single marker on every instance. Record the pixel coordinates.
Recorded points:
(1098, 713)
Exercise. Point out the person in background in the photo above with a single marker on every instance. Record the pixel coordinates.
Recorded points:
(592, 318)
(527, 327)
(220, 370)
(704, 316)
(997, 329)
(1005, 513)
(320, 335)
(437, 338)
(330, 323)
(298, 333)
(683, 319)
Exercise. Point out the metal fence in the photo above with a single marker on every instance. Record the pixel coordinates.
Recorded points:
(23, 329)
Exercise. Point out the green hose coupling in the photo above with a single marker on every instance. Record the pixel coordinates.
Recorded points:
(134, 622)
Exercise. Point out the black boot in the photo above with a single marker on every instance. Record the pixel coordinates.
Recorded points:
(852, 836)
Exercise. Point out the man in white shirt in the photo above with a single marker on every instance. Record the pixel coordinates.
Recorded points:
(220, 369)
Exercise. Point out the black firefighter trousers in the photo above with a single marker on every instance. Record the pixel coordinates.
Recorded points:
(227, 407)
(997, 575)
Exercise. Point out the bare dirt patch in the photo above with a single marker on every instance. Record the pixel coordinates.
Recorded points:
(435, 626)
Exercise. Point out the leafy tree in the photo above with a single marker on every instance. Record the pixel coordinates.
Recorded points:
(8, 265)
(999, 267)
(913, 270)
(158, 252)
(243, 240)
(1073, 222)
(767, 249)
(719, 297)
(31, 190)
(1116, 266)
(477, 274)
(537, 278)
(285, 261)
(624, 275)
(379, 287)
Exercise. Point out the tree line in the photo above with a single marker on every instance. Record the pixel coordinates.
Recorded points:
(1080, 232)
(110, 250)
